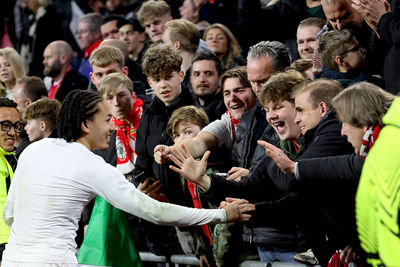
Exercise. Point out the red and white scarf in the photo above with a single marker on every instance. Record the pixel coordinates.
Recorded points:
(234, 124)
(370, 136)
(194, 192)
(126, 138)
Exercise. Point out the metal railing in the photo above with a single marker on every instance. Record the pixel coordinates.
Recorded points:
(178, 260)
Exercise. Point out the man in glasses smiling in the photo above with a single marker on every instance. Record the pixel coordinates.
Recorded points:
(10, 127)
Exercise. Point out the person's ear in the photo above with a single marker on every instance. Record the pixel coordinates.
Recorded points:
(42, 126)
(142, 37)
(341, 61)
(91, 75)
(64, 59)
(177, 45)
(181, 75)
(323, 108)
(125, 71)
(149, 82)
(134, 97)
(28, 101)
(84, 127)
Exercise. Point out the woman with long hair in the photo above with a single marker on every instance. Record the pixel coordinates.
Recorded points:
(224, 44)
(11, 69)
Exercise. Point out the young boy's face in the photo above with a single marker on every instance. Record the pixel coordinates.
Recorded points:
(186, 130)
(121, 102)
(281, 116)
(155, 27)
(167, 89)
(33, 129)
(354, 56)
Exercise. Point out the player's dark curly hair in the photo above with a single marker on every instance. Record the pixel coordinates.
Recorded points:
(77, 107)
(5, 102)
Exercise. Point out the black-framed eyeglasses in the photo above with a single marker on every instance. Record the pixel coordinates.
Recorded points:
(7, 125)
(353, 49)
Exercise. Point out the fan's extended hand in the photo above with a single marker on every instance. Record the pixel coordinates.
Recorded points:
(191, 169)
(280, 158)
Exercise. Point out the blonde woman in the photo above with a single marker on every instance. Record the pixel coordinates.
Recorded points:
(222, 42)
(11, 69)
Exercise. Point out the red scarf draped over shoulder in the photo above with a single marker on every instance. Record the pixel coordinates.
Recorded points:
(193, 189)
(126, 138)
(369, 139)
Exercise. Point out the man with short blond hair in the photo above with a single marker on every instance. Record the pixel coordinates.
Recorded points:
(105, 60)
(306, 36)
(183, 36)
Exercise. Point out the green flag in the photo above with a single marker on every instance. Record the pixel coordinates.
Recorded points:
(108, 240)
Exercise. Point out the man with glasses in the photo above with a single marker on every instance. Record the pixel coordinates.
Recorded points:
(10, 127)
(89, 36)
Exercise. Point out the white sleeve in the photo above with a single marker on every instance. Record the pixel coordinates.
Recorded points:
(221, 130)
(110, 184)
(8, 212)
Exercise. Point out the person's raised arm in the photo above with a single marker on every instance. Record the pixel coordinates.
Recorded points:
(110, 184)
(197, 146)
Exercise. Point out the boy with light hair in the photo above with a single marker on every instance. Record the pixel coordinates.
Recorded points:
(153, 15)
(41, 118)
(342, 57)
(183, 36)
(126, 108)
(105, 60)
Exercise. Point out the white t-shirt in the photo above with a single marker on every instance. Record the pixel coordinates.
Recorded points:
(222, 129)
(53, 182)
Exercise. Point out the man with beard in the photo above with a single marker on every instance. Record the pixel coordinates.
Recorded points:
(57, 57)
(206, 69)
